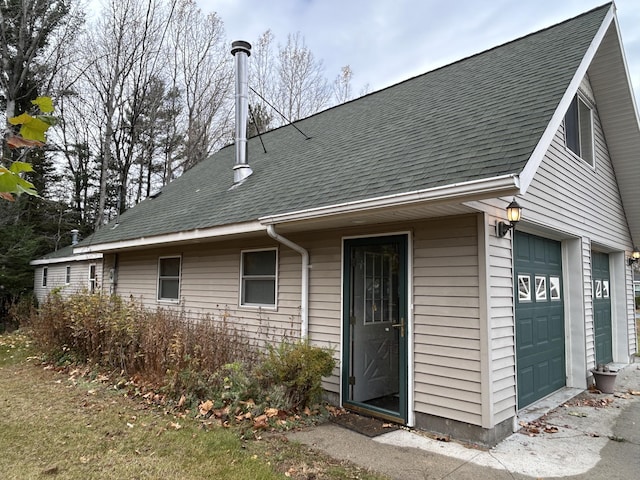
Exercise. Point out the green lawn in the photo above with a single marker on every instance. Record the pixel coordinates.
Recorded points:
(53, 425)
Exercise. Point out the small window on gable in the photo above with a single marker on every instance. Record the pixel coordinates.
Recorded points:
(67, 275)
(578, 129)
(258, 278)
(169, 278)
(45, 271)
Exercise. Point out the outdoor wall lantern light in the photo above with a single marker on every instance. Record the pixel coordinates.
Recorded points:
(635, 256)
(514, 212)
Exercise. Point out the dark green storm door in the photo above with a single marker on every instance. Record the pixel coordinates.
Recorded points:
(374, 375)
(601, 307)
(540, 337)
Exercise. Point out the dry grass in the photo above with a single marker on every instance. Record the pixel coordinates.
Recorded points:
(59, 426)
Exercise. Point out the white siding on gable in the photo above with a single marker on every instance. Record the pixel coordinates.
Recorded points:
(57, 278)
(571, 196)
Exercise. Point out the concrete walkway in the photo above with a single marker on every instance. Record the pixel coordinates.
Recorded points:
(593, 436)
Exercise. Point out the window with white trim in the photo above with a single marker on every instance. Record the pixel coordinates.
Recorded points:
(169, 278)
(45, 271)
(92, 278)
(524, 288)
(578, 129)
(541, 288)
(554, 288)
(67, 275)
(258, 275)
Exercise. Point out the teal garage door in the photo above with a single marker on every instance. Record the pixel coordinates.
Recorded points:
(540, 338)
(601, 307)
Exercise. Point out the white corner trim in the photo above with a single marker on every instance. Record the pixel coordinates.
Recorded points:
(157, 240)
(487, 186)
(74, 258)
(527, 174)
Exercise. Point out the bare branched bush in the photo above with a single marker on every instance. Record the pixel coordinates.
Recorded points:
(158, 345)
(200, 358)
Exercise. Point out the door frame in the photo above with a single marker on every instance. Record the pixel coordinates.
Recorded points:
(409, 415)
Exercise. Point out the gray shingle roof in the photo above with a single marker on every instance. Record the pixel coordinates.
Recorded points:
(478, 118)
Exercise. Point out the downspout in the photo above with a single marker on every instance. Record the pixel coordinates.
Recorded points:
(304, 301)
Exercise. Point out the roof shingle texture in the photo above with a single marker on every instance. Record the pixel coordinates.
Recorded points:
(478, 118)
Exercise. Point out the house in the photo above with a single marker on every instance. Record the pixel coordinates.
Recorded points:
(65, 272)
(379, 228)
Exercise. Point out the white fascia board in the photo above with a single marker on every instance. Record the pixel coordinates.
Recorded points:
(191, 235)
(72, 258)
(626, 69)
(496, 185)
(527, 174)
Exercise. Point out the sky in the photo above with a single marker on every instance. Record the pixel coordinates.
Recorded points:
(388, 41)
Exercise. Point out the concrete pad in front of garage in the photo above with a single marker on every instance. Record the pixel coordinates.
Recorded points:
(594, 434)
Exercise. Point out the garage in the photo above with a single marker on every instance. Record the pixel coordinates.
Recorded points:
(540, 334)
(601, 307)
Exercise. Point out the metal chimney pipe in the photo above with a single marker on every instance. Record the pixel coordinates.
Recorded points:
(241, 51)
(74, 236)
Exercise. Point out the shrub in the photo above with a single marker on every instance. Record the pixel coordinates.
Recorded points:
(292, 373)
(163, 346)
(203, 359)
(17, 312)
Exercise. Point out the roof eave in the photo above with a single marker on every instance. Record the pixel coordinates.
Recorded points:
(185, 236)
(489, 187)
(67, 259)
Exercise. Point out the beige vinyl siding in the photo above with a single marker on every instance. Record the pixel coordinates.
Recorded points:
(446, 319)
(325, 308)
(502, 328)
(209, 285)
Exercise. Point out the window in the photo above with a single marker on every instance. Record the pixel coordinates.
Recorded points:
(541, 288)
(554, 288)
(598, 288)
(524, 288)
(92, 278)
(169, 278)
(44, 276)
(258, 277)
(578, 129)
(67, 275)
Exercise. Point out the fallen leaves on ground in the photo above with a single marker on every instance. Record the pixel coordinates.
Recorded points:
(536, 427)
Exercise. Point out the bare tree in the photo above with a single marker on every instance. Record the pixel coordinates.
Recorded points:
(342, 85)
(123, 51)
(289, 78)
(304, 89)
(202, 65)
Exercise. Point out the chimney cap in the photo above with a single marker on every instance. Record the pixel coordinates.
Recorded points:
(240, 46)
